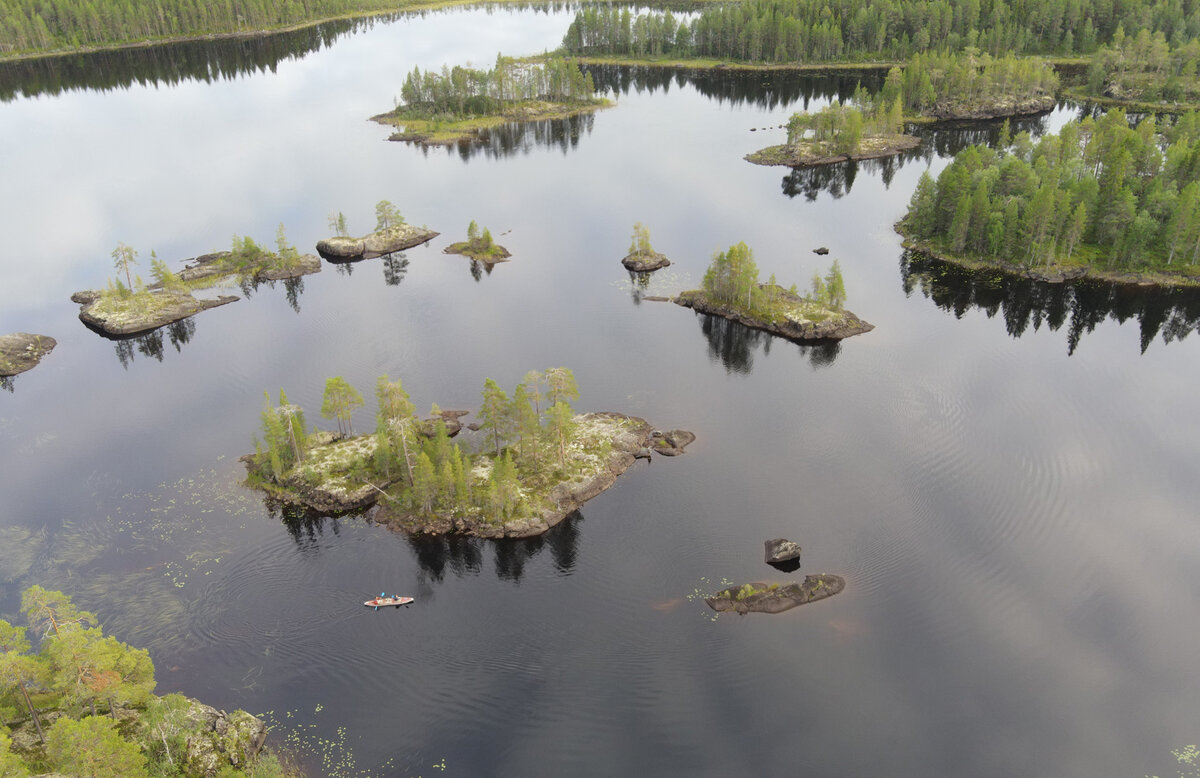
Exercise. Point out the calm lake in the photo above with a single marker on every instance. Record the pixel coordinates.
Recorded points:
(1004, 472)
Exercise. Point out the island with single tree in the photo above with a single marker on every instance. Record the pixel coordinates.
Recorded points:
(731, 290)
(130, 307)
(642, 258)
(22, 351)
(1099, 199)
(391, 234)
(74, 701)
(530, 462)
(460, 104)
(479, 246)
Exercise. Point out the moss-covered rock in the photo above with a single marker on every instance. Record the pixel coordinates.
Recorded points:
(761, 597)
(22, 351)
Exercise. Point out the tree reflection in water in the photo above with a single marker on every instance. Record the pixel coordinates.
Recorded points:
(1023, 302)
(733, 345)
(151, 344)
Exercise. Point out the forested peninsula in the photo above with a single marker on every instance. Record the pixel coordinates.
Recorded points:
(1099, 198)
(74, 701)
(533, 462)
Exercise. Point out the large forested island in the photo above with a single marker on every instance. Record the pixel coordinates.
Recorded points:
(731, 290)
(77, 702)
(459, 103)
(1097, 199)
(534, 461)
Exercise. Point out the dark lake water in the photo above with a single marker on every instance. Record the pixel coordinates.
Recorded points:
(1004, 472)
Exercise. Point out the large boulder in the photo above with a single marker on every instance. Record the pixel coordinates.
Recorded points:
(781, 550)
(220, 739)
(644, 261)
(341, 247)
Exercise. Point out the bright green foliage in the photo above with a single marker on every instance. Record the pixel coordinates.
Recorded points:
(526, 422)
(339, 402)
(89, 667)
(835, 287)
(284, 433)
(1146, 68)
(425, 486)
(92, 748)
(387, 216)
(337, 223)
(732, 277)
(124, 258)
(495, 414)
(10, 765)
(1130, 197)
(394, 420)
(461, 93)
(641, 240)
(162, 275)
(50, 613)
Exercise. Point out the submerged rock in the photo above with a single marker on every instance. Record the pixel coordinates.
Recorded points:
(670, 443)
(760, 597)
(22, 351)
(781, 550)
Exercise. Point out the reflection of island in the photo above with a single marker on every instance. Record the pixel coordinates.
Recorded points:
(464, 555)
(167, 63)
(512, 138)
(1023, 302)
(762, 88)
(733, 345)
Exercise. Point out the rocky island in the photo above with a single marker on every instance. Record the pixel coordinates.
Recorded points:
(732, 291)
(22, 351)
(642, 258)
(124, 310)
(761, 597)
(391, 234)
(530, 462)
(479, 246)
(461, 104)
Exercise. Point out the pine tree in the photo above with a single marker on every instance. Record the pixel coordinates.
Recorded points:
(339, 402)
(124, 258)
(495, 414)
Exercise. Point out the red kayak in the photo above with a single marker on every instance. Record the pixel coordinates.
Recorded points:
(380, 602)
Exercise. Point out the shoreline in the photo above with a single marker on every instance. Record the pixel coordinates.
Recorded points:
(1056, 273)
(842, 324)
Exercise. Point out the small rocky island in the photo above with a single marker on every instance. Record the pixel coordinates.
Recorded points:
(642, 258)
(462, 104)
(528, 463)
(391, 235)
(732, 291)
(22, 351)
(810, 152)
(130, 308)
(479, 246)
(762, 597)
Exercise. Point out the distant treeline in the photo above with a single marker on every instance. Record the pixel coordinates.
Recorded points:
(46, 25)
(833, 30)
(1099, 192)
